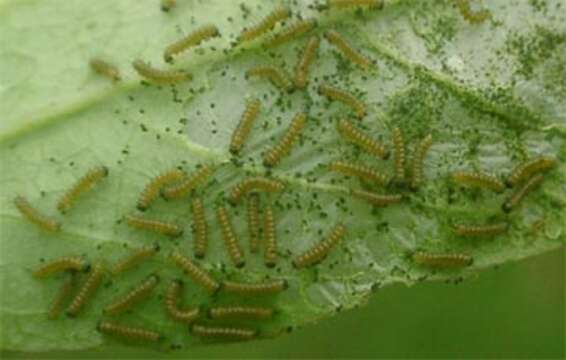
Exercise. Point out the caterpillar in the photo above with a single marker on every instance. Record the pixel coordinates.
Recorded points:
(333, 93)
(360, 171)
(153, 188)
(232, 333)
(61, 298)
(354, 135)
(442, 260)
(418, 161)
(528, 168)
(135, 258)
(198, 275)
(275, 75)
(518, 194)
(270, 238)
(347, 50)
(319, 251)
(254, 184)
(305, 61)
(244, 127)
(200, 228)
(84, 184)
(128, 332)
(267, 24)
(159, 76)
(377, 199)
(479, 180)
(195, 38)
(293, 31)
(167, 5)
(188, 185)
(399, 155)
(481, 230)
(87, 290)
(240, 312)
(247, 289)
(253, 221)
(140, 292)
(34, 216)
(230, 240)
(161, 227)
(339, 4)
(473, 17)
(104, 68)
(67, 263)
(171, 304)
(283, 147)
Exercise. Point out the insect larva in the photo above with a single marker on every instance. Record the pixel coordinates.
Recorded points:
(528, 168)
(200, 228)
(159, 76)
(270, 238)
(293, 31)
(245, 125)
(442, 260)
(518, 194)
(344, 97)
(128, 332)
(240, 312)
(246, 289)
(135, 258)
(140, 292)
(171, 304)
(275, 75)
(186, 186)
(481, 230)
(319, 251)
(339, 4)
(34, 216)
(360, 171)
(84, 184)
(283, 147)
(158, 226)
(193, 39)
(418, 161)
(473, 17)
(253, 221)
(67, 263)
(268, 23)
(479, 179)
(229, 236)
(356, 136)
(62, 296)
(347, 50)
(254, 184)
(104, 68)
(217, 332)
(399, 155)
(305, 61)
(198, 275)
(153, 188)
(167, 5)
(87, 290)
(377, 199)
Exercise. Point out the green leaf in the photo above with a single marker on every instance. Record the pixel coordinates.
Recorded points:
(491, 94)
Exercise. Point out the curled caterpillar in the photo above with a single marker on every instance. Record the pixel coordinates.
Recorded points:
(161, 227)
(347, 50)
(195, 38)
(159, 76)
(479, 180)
(399, 155)
(200, 228)
(172, 298)
(188, 185)
(167, 5)
(305, 61)
(320, 251)
(481, 230)
(229, 236)
(84, 184)
(62, 296)
(360, 171)
(377, 199)
(340, 4)
(270, 238)
(418, 161)
(240, 312)
(253, 221)
(283, 147)
(254, 184)
(266, 24)
(473, 17)
(218, 332)
(135, 258)
(153, 188)
(104, 68)
(442, 260)
(275, 75)
(528, 168)
(244, 127)
(293, 31)
(66, 263)
(87, 290)
(34, 216)
(140, 292)
(255, 289)
(333, 93)
(356, 136)
(128, 332)
(198, 275)
(518, 194)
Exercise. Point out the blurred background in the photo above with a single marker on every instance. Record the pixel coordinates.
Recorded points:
(516, 311)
